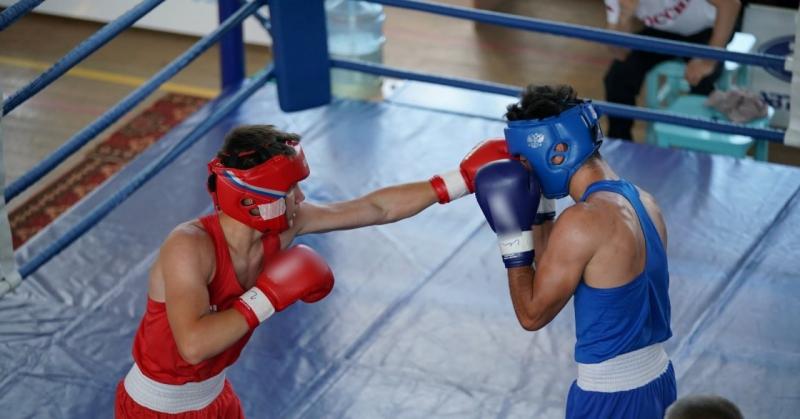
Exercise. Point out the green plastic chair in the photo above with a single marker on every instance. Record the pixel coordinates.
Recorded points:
(665, 88)
(665, 82)
(669, 135)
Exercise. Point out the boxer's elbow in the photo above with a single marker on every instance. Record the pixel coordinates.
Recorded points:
(190, 354)
(531, 323)
(382, 214)
(534, 317)
(531, 326)
(192, 350)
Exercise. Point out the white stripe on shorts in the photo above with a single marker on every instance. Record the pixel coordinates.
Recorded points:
(624, 372)
(171, 398)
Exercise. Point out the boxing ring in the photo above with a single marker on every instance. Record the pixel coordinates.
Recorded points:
(420, 323)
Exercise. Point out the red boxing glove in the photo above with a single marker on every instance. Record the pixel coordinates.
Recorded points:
(298, 273)
(457, 183)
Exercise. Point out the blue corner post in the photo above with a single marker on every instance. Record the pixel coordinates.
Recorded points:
(300, 49)
(231, 57)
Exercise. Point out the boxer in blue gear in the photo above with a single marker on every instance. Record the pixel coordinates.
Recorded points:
(608, 251)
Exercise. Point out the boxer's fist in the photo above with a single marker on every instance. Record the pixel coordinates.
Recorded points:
(509, 196)
(298, 273)
(453, 185)
(483, 153)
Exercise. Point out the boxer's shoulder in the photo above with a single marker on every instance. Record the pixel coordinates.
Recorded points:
(586, 223)
(188, 241)
(582, 213)
(190, 231)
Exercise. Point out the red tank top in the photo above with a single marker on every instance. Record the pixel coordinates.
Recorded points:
(154, 348)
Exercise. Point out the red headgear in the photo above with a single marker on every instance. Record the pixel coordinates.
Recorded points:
(265, 185)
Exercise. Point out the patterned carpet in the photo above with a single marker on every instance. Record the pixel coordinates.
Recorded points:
(100, 164)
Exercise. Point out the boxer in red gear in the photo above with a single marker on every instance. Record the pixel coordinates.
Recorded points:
(218, 277)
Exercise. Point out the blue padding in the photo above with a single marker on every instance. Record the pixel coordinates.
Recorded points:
(420, 323)
(300, 48)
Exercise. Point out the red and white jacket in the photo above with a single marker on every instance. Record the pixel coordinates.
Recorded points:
(683, 17)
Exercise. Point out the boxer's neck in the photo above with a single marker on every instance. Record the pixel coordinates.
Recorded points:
(239, 237)
(594, 170)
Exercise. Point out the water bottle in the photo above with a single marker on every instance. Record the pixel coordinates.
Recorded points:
(355, 31)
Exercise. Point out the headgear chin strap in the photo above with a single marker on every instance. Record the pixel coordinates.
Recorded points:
(265, 186)
(536, 140)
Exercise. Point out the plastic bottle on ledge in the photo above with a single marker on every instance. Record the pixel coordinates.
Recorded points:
(355, 31)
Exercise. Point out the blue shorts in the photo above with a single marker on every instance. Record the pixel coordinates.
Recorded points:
(647, 402)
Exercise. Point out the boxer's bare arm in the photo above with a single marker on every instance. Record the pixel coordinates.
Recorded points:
(539, 295)
(186, 261)
(541, 235)
(382, 206)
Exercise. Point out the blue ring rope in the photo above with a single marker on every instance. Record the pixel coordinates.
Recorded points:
(632, 41)
(633, 112)
(16, 11)
(79, 53)
(612, 109)
(98, 213)
(263, 20)
(112, 115)
(382, 70)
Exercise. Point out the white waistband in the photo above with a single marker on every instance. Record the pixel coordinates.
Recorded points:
(624, 372)
(171, 398)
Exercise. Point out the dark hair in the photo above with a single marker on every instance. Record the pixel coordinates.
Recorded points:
(703, 407)
(539, 102)
(250, 145)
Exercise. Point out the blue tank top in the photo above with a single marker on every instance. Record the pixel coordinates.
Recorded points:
(614, 321)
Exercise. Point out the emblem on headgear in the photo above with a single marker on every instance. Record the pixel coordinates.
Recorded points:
(535, 140)
(263, 187)
(576, 128)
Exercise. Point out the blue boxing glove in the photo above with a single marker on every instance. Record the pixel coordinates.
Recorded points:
(509, 197)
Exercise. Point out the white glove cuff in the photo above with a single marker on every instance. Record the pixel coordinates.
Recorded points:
(546, 205)
(455, 184)
(515, 243)
(258, 303)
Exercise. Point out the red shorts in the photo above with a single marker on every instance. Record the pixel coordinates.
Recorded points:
(225, 406)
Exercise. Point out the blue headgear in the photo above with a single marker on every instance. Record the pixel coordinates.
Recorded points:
(536, 140)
